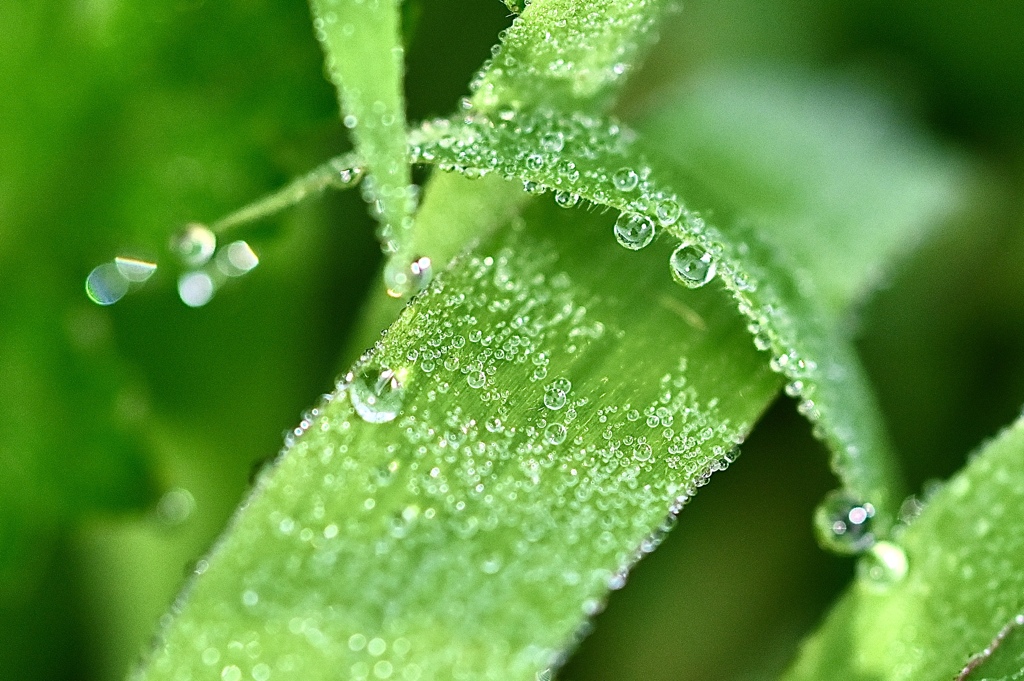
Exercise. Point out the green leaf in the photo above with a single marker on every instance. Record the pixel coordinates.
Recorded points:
(568, 54)
(585, 157)
(473, 533)
(363, 45)
(961, 584)
(456, 212)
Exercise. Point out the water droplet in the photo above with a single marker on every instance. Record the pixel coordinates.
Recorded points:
(556, 392)
(194, 244)
(566, 199)
(668, 212)
(534, 161)
(625, 179)
(634, 231)
(106, 284)
(843, 524)
(476, 379)
(692, 266)
(422, 273)
(884, 565)
(376, 393)
(344, 176)
(236, 259)
(195, 288)
(642, 452)
(555, 434)
(135, 270)
(534, 188)
(552, 142)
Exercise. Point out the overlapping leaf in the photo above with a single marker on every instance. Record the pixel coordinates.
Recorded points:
(922, 609)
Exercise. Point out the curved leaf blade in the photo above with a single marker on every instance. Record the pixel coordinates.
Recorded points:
(580, 156)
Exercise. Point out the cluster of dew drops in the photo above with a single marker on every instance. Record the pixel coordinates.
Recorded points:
(205, 268)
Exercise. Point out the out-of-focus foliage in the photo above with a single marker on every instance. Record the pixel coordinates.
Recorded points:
(119, 122)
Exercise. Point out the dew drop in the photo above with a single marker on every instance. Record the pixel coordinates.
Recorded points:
(556, 393)
(882, 566)
(552, 142)
(691, 266)
(668, 212)
(195, 288)
(534, 188)
(625, 179)
(135, 270)
(555, 434)
(194, 244)
(344, 176)
(642, 452)
(843, 524)
(376, 393)
(634, 231)
(476, 379)
(106, 284)
(422, 273)
(566, 199)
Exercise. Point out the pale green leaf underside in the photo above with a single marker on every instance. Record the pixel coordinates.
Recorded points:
(362, 43)
(459, 540)
(965, 583)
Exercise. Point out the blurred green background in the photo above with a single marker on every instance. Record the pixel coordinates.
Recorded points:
(128, 434)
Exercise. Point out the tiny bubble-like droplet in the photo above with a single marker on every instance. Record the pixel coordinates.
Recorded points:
(625, 179)
(668, 212)
(634, 231)
(552, 142)
(106, 285)
(566, 199)
(555, 434)
(376, 393)
(692, 266)
(843, 524)
(882, 566)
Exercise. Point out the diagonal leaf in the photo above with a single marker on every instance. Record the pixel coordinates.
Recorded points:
(921, 609)
(545, 426)
(363, 45)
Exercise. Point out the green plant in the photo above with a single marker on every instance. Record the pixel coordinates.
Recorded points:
(533, 421)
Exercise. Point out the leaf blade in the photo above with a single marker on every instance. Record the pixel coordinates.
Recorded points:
(362, 42)
(494, 588)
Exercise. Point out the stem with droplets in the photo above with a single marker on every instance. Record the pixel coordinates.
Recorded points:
(341, 172)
